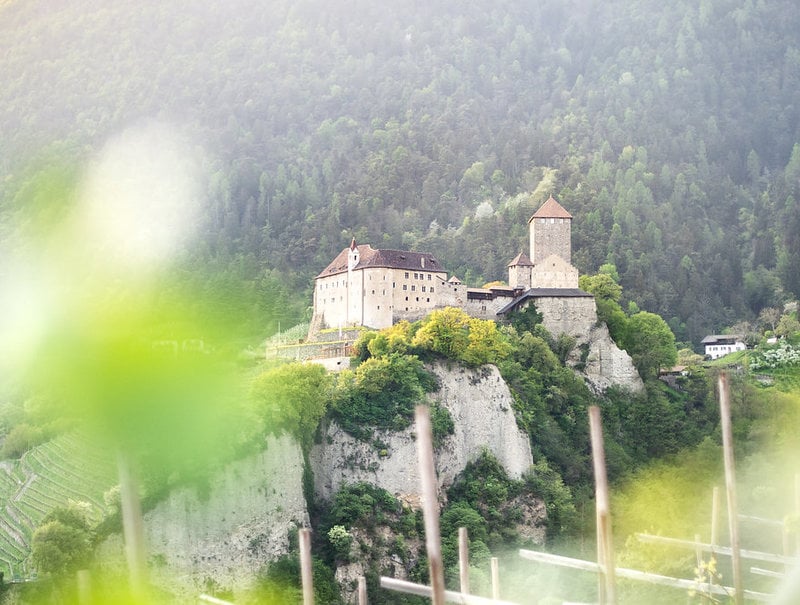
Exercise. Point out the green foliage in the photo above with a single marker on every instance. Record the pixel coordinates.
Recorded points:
(281, 582)
(442, 424)
(545, 483)
(525, 320)
(20, 439)
(292, 397)
(62, 544)
(381, 393)
(361, 504)
(341, 540)
(602, 285)
(453, 334)
(651, 343)
(444, 331)
(485, 487)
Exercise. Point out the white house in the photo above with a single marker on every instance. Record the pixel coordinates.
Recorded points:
(717, 345)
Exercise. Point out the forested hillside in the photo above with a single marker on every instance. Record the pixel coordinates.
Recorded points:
(670, 130)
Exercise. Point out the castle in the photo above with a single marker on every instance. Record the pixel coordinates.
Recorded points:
(377, 288)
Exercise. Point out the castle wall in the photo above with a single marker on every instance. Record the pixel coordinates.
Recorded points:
(554, 272)
(375, 297)
(575, 316)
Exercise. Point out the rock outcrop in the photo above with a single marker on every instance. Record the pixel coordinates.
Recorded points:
(479, 402)
(225, 537)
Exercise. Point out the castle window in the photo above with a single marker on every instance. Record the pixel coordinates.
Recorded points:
(417, 298)
(431, 289)
(406, 274)
(379, 307)
(416, 275)
(429, 277)
(405, 286)
(393, 285)
(429, 300)
(423, 288)
(373, 291)
(413, 288)
(406, 299)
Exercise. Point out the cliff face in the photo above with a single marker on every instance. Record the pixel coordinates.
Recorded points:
(230, 533)
(596, 356)
(479, 402)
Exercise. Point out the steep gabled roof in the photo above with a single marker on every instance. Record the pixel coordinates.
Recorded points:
(521, 260)
(551, 209)
(391, 259)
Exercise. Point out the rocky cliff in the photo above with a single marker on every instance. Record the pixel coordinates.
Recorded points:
(596, 356)
(480, 404)
(225, 537)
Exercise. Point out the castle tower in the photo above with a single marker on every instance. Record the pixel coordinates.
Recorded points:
(551, 232)
(519, 271)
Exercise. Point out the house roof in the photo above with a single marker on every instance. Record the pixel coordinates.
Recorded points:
(534, 293)
(391, 259)
(721, 339)
(551, 209)
(521, 260)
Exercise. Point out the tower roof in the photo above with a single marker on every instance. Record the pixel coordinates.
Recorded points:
(551, 209)
(521, 260)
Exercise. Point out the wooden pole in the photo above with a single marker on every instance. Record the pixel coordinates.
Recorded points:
(430, 503)
(362, 590)
(133, 528)
(797, 512)
(730, 484)
(449, 596)
(715, 516)
(306, 574)
(84, 587)
(720, 550)
(463, 559)
(605, 546)
(495, 566)
(634, 574)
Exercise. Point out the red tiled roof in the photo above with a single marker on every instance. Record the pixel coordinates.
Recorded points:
(391, 259)
(551, 209)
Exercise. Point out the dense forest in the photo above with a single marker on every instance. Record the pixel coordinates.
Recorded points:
(671, 132)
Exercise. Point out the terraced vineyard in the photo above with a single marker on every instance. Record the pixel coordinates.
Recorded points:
(70, 467)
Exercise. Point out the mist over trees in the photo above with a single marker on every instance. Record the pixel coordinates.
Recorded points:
(671, 132)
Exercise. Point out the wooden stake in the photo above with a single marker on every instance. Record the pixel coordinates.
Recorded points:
(430, 503)
(306, 573)
(797, 512)
(495, 579)
(362, 590)
(605, 545)
(715, 516)
(720, 550)
(84, 587)
(449, 596)
(133, 528)
(463, 559)
(634, 574)
(730, 484)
